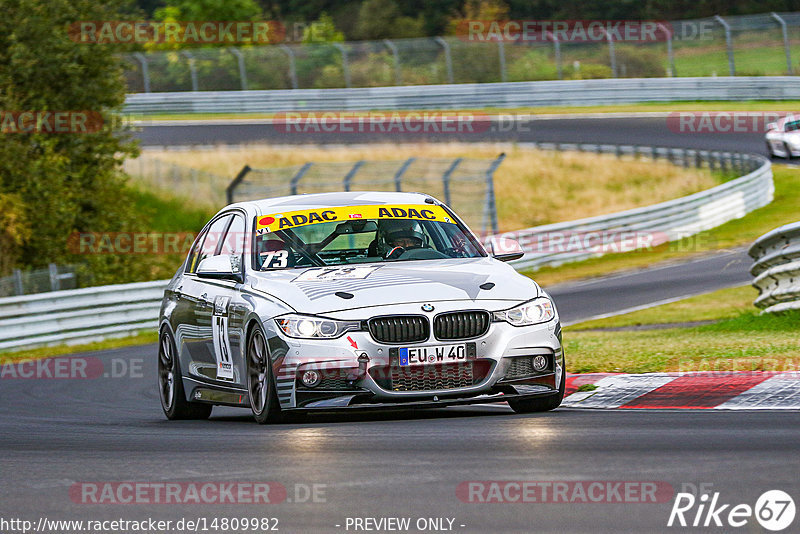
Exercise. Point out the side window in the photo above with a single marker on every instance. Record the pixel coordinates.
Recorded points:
(233, 243)
(208, 243)
(191, 263)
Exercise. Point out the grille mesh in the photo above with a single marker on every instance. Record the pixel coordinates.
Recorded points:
(461, 325)
(432, 377)
(399, 329)
(520, 367)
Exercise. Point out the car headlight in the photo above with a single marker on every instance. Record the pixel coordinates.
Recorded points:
(538, 310)
(308, 327)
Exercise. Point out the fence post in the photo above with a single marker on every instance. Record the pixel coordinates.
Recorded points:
(18, 287)
(242, 71)
(236, 181)
(145, 73)
(491, 205)
(398, 176)
(53, 272)
(398, 73)
(557, 51)
(447, 58)
(297, 177)
(786, 47)
(192, 69)
(611, 54)
(345, 66)
(670, 54)
(292, 67)
(501, 51)
(349, 177)
(728, 44)
(446, 179)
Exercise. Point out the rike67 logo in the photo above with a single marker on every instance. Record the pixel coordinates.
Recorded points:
(774, 510)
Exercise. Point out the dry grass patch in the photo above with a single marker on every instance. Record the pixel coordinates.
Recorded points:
(532, 187)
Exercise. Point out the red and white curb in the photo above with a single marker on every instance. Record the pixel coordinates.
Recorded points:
(701, 390)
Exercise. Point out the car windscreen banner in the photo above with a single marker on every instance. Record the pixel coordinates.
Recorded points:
(295, 219)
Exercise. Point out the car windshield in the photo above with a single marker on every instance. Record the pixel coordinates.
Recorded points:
(360, 234)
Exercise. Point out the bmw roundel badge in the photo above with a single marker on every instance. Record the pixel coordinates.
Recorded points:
(427, 307)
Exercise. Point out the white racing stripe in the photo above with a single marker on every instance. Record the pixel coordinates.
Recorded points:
(781, 392)
(614, 391)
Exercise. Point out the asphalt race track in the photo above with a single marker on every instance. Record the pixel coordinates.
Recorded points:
(648, 131)
(59, 434)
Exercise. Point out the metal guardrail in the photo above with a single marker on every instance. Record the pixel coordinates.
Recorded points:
(470, 96)
(84, 315)
(79, 315)
(656, 224)
(53, 278)
(777, 269)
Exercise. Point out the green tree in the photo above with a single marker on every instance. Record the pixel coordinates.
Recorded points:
(60, 183)
(381, 19)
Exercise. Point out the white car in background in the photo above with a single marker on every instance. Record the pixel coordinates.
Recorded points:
(783, 137)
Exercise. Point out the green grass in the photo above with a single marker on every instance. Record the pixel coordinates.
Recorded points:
(142, 338)
(741, 339)
(644, 107)
(736, 233)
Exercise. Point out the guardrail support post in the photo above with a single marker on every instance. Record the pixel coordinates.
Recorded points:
(349, 177)
(242, 72)
(787, 49)
(53, 272)
(292, 66)
(398, 176)
(611, 54)
(297, 177)
(145, 72)
(345, 66)
(446, 179)
(398, 73)
(236, 181)
(448, 59)
(557, 52)
(728, 44)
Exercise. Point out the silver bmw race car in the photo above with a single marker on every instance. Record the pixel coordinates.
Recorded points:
(353, 301)
(783, 137)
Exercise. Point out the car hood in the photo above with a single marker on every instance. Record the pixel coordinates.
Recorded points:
(398, 283)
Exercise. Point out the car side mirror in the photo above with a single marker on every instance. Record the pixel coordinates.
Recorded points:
(772, 126)
(505, 249)
(223, 267)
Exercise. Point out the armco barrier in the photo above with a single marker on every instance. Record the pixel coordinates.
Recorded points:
(777, 268)
(79, 315)
(83, 315)
(470, 96)
(667, 221)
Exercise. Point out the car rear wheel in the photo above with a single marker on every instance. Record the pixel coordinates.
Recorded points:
(769, 150)
(260, 381)
(544, 404)
(787, 150)
(170, 384)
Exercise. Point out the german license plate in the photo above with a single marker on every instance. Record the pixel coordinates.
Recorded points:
(458, 352)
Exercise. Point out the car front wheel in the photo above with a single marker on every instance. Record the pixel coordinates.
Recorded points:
(260, 380)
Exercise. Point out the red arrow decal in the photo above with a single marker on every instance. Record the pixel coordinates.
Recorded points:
(353, 343)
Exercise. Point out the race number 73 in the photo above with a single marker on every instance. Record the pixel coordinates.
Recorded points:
(276, 259)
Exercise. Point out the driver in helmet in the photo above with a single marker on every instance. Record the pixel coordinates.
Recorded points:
(397, 236)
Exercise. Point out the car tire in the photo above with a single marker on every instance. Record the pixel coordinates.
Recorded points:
(170, 384)
(770, 153)
(544, 404)
(787, 150)
(260, 380)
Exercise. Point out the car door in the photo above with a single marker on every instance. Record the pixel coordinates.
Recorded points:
(227, 309)
(197, 328)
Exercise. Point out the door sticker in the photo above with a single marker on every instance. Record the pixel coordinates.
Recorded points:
(222, 343)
